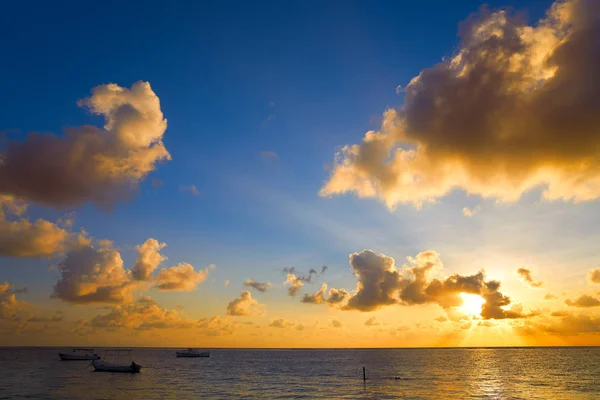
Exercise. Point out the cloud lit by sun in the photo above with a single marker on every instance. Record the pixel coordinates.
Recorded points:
(471, 304)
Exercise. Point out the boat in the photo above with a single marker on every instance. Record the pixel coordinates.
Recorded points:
(192, 353)
(79, 355)
(104, 366)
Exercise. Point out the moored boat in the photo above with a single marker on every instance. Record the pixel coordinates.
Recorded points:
(104, 366)
(192, 353)
(79, 355)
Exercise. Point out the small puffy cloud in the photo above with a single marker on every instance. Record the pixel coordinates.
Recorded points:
(226, 283)
(317, 298)
(594, 275)
(550, 296)
(337, 296)
(469, 212)
(372, 321)
(144, 314)
(525, 276)
(281, 323)
(192, 189)
(20, 237)
(148, 259)
(336, 324)
(90, 164)
(295, 283)
(324, 269)
(93, 275)
(441, 318)
(583, 301)
(260, 286)
(244, 305)
(513, 110)
(181, 277)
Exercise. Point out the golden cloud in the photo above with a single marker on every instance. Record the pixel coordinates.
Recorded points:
(515, 109)
(244, 305)
(88, 163)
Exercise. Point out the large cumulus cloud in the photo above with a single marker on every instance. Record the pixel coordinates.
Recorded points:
(244, 305)
(90, 164)
(97, 274)
(380, 283)
(514, 109)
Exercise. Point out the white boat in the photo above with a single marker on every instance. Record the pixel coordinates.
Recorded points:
(79, 355)
(193, 353)
(104, 366)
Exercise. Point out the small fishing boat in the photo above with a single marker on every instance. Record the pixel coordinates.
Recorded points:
(191, 353)
(79, 355)
(104, 366)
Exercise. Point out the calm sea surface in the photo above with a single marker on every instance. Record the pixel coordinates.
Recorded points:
(518, 373)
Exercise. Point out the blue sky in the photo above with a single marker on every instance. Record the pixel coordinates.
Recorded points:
(237, 79)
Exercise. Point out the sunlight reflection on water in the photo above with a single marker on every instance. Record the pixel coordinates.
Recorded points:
(534, 373)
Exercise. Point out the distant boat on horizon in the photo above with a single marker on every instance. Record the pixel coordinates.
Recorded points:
(192, 353)
(79, 355)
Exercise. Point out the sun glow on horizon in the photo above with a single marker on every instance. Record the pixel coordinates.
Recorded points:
(472, 304)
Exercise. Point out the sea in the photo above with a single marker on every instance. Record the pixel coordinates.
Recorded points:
(457, 373)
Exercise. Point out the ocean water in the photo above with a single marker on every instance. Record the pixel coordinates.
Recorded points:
(480, 373)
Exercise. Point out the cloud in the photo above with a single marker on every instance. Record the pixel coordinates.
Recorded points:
(269, 155)
(192, 189)
(11, 309)
(563, 325)
(93, 275)
(89, 164)
(441, 318)
(372, 321)
(244, 305)
(381, 283)
(550, 297)
(469, 212)
(317, 298)
(226, 283)
(148, 259)
(40, 238)
(281, 323)
(324, 269)
(560, 314)
(144, 314)
(297, 281)
(181, 277)
(583, 301)
(525, 276)
(260, 286)
(378, 281)
(215, 326)
(515, 109)
(336, 324)
(594, 275)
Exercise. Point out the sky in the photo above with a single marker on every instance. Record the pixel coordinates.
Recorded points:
(300, 174)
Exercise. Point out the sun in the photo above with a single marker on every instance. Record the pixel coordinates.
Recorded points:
(471, 304)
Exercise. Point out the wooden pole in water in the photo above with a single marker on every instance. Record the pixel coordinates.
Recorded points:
(364, 375)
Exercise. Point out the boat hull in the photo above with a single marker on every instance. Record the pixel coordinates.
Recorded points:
(78, 357)
(185, 354)
(102, 366)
